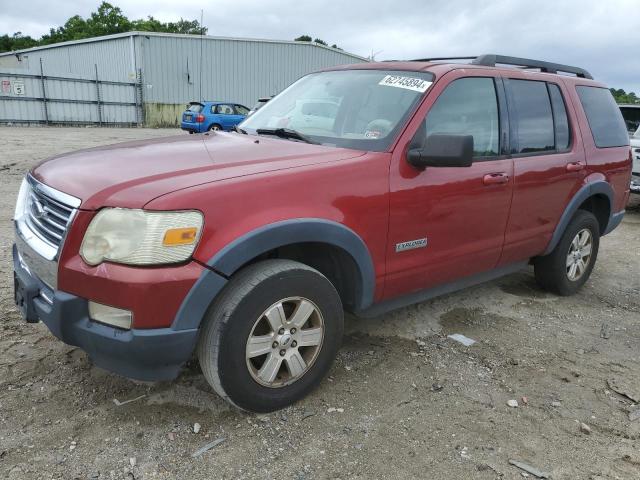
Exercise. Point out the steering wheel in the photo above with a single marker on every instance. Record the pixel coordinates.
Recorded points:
(378, 128)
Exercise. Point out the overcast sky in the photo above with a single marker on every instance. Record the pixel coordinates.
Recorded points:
(602, 36)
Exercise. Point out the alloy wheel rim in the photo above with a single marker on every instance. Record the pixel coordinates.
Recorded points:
(284, 342)
(579, 255)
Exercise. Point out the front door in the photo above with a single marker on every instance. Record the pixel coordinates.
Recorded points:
(447, 223)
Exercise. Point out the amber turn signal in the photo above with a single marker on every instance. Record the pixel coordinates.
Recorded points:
(180, 236)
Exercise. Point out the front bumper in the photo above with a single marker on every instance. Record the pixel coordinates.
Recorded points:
(143, 354)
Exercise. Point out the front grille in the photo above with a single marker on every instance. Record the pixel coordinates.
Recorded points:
(47, 217)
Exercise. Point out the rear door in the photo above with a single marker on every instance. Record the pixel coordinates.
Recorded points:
(240, 113)
(447, 223)
(548, 161)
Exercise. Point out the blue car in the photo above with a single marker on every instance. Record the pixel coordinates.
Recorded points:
(203, 117)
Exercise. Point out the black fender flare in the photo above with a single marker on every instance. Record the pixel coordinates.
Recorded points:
(268, 237)
(599, 187)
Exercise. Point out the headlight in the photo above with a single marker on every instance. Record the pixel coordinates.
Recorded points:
(21, 200)
(140, 237)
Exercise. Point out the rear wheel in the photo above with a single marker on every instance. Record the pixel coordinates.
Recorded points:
(215, 127)
(569, 265)
(271, 336)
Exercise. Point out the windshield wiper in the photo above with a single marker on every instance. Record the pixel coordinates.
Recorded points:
(285, 133)
(240, 130)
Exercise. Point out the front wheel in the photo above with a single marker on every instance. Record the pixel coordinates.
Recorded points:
(271, 336)
(569, 265)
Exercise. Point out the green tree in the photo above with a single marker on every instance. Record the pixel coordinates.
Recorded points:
(106, 20)
(319, 41)
(17, 41)
(622, 97)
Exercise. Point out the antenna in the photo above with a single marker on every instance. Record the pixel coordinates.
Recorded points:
(201, 40)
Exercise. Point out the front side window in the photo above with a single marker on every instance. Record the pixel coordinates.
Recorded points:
(240, 110)
(532, 117)
(604, 117)
(468, 106)
(361, 109)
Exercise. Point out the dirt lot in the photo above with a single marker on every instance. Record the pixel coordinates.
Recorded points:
(402, 401)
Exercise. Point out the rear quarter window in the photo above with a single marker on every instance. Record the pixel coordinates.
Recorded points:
(604, 117)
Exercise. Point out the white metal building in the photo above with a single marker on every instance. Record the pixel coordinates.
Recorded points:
(137, 77)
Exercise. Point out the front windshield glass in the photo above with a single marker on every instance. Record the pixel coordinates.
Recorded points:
(361, 109)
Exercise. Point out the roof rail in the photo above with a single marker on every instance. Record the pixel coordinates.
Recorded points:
(490, 60)
(437, 59)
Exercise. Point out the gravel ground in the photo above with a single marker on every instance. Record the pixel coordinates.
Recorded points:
(402, 400)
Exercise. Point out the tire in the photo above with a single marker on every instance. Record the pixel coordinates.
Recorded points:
(240, 313)
(554, 271)
(214, 127)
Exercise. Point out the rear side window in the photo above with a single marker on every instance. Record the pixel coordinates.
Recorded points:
(533, 126)
(468, 106)
(560, 119)
(605, 120)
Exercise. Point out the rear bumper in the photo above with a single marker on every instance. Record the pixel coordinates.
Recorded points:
(635, 182)
(143, 354)
(191, 127)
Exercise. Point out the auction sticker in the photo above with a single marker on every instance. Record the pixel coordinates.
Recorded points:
(408, 83)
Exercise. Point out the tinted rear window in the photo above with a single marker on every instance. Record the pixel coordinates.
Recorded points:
(534, 129)
(605, 120)
(195, 107)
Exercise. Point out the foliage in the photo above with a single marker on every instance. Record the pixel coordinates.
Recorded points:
(107, 20)
(623, 97)
(319, 41)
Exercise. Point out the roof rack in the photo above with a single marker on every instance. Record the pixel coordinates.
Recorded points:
(491, 60)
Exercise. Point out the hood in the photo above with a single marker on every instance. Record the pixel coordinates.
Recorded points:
(132, 174)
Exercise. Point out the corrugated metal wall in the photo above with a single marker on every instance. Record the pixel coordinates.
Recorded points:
(113, 57)
(232, 69)
(70, 99)
(237, 70)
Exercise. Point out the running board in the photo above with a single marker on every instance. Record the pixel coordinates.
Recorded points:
(417, 297)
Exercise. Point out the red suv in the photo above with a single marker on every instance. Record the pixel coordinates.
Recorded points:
(359, 188)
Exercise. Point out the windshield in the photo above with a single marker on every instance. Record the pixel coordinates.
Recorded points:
(361, 109)
(632, 118)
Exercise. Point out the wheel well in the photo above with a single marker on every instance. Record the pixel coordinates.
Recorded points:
(601, 209)
(333, 262)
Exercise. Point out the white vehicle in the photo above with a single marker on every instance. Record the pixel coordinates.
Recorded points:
(631, 114)
(635, 151)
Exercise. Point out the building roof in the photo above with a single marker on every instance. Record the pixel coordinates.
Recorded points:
(174, 35)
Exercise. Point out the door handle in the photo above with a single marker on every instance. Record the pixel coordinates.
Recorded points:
(495, 178)
(575, 166)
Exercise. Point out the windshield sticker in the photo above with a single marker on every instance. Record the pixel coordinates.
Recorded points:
(372, 134)
(409, 83)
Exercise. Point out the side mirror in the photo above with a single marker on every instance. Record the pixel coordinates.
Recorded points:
(443, 151)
